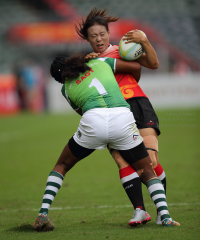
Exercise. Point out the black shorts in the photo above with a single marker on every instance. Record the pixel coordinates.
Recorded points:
(131, 155)
(77, 150)
(144, 113)
(135, 154)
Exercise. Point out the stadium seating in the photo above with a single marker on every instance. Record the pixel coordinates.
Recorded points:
(178, 21)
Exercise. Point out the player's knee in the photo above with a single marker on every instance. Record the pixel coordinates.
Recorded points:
(139, 172)
(151, 144)
(154, 157)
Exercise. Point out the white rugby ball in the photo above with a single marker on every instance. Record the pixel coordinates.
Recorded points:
(130, 51)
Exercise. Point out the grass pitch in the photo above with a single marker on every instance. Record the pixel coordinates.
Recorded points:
(92, 203)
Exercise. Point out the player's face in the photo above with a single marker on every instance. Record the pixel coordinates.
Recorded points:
(98, 37)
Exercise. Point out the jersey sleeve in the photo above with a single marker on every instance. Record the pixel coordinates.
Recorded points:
(68, 99)
(110, 61)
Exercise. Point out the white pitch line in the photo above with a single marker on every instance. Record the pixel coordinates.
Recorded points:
(93, 207)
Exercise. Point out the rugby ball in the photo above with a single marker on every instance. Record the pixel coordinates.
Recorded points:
(130, 51)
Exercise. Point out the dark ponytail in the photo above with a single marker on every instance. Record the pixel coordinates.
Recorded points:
(63, 68)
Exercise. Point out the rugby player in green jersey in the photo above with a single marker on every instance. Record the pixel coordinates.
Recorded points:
(91, 87)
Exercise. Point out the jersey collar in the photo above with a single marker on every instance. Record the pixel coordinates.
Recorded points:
(110, 45)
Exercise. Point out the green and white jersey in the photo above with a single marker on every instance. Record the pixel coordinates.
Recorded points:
(96, 88)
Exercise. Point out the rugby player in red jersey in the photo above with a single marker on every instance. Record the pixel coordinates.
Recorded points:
(95, 30)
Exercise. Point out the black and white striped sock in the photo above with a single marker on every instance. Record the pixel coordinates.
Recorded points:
(54, 183)
(157, 194)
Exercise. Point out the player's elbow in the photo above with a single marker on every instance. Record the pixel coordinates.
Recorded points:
(155, 65)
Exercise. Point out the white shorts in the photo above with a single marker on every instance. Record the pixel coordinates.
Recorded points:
(114, 127)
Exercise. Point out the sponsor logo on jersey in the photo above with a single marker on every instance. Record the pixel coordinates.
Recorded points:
(79, 134)
(84, 76)
(150, 123)
(135, 137)
(92, 64)
(129, 186)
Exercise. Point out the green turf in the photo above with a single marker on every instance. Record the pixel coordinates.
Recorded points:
(92, 202)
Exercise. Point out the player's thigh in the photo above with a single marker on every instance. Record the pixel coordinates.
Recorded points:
(121, 163)
(148, 131)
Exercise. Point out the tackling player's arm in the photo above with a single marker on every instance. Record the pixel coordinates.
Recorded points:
(130, 67)
(133, 68)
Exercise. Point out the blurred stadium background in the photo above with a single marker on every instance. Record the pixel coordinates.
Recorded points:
(33, 32)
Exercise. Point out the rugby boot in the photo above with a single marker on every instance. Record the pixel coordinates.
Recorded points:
(43, 223)
(139, 216)
(168, 222)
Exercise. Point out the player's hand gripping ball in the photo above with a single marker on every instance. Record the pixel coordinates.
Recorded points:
(132, 50)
